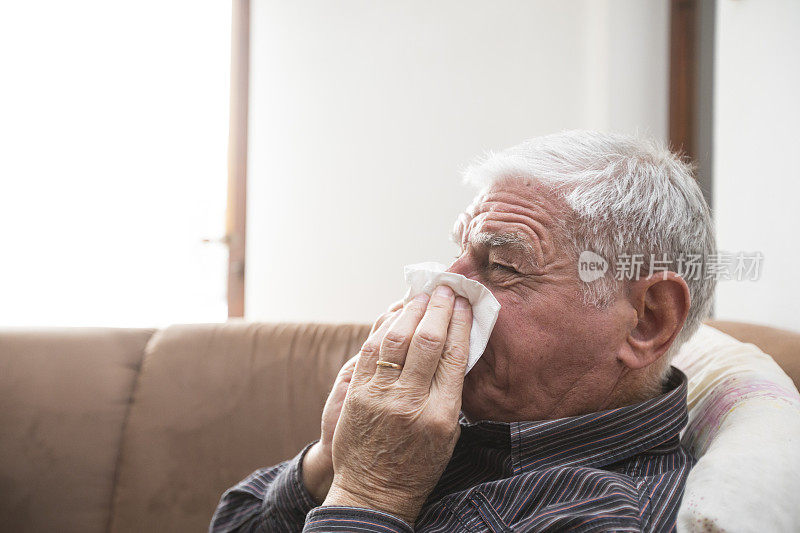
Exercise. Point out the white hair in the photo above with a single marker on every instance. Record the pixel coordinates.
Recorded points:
(630, 195)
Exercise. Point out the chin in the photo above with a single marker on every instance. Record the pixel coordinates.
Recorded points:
(480, 373)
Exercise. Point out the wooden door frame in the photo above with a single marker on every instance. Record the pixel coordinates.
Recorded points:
(236, 212)
(691, 86)
(682, 75)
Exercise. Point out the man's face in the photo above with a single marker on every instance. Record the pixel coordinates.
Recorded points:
(549, 355)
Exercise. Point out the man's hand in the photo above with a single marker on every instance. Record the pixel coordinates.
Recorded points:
(318, 463)
(398, 428)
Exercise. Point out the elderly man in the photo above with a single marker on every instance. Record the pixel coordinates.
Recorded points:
(571, 418)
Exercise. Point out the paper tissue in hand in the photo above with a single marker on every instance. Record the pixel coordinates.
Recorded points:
(425, 277)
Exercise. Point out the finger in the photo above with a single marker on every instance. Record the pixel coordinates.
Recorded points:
(381, 319)
(429, 338)
(342, 382)
(448, 381)
(395, 306)
(395, 343)
(369, 352)
(389, 312)
(346, 372)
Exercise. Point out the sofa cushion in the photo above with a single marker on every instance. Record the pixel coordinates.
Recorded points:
(64, 394)
(744, 429)
(215, 402)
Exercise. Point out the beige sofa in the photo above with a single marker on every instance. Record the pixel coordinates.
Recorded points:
(142, 430)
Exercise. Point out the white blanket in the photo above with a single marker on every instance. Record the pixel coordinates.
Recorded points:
(744, 429)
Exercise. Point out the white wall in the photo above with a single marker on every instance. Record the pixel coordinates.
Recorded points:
(362, 114)
(757, 178)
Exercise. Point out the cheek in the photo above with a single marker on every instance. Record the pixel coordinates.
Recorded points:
(542, 327)
(518, 328)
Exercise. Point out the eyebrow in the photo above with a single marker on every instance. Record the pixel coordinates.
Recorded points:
(508, 241)
(502, 240)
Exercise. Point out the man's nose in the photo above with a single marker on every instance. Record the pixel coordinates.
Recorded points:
(463, 266)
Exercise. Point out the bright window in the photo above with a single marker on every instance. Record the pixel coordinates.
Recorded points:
(113, 139)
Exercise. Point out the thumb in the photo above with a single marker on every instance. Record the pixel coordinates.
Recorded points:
(343, 378)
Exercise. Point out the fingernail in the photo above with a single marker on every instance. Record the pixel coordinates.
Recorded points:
(462, 303)
(443, 291)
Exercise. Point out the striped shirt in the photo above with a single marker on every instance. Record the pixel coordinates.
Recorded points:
(617, 470)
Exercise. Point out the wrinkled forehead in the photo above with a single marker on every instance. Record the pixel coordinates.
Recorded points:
(517, 215)
(509, 203)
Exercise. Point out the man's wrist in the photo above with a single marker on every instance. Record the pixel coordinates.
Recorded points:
(317, 470)
(396, 505)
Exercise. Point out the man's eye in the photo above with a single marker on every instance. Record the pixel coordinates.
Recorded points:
(503, 268)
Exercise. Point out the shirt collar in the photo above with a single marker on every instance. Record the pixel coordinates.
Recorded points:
(595, 439)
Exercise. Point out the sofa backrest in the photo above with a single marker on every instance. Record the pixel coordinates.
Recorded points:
(64, 397)
(212, 404)
(780, 344)
(134, 430)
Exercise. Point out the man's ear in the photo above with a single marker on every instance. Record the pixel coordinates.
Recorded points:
(661, 302)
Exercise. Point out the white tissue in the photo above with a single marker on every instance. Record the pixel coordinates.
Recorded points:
(425, 277)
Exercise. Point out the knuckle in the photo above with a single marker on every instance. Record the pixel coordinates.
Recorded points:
(456, 352)
(407, 413)
(429, 340)
(344, 372)
(367, 398)
(462, 316)
(380, 387)
(356, 399)
(370, 349)
(454, 358)
(382, 319)
(441, 426)
(440, 304)
(394, 339)
(413, 392)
